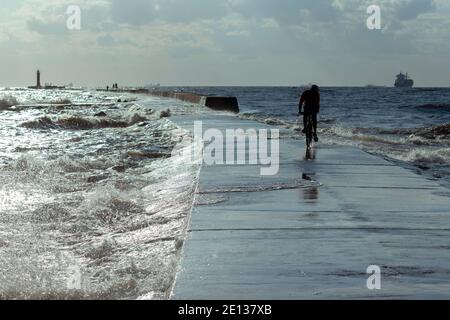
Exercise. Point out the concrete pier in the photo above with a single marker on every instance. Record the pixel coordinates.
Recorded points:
(230, 104)
(216, 103)
(316, 241)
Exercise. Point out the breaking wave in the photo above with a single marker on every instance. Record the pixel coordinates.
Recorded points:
(266, 119)
(425, 156)
(423, 147)
(275, 121)
(82, 123)
(436, 132)
(90, 214)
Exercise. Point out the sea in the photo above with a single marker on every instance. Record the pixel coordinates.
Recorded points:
(95, 203)
(410, 127)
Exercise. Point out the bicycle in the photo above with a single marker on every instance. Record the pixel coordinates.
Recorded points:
(309, 131)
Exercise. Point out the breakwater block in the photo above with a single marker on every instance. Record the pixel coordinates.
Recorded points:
(223, 103)
(230, 104)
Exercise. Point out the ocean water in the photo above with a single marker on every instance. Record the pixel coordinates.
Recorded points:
(95, 200)
(94, 203)
(408, 126)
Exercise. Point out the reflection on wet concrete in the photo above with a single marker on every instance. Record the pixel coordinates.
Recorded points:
(310, 154)
(311, 194)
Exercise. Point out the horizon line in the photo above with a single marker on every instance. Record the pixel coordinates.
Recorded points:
(237, 86)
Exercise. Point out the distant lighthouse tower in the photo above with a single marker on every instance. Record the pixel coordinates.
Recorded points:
(38, 79)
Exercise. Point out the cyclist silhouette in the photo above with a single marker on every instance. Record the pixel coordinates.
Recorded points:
(310, 100)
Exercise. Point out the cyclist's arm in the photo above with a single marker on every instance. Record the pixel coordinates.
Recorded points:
(302, 99)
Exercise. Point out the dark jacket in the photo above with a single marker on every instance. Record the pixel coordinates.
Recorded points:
(311, 100)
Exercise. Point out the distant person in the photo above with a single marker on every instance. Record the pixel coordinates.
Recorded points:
(310, 100)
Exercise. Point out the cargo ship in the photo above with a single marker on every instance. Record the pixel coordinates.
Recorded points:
(403, 81)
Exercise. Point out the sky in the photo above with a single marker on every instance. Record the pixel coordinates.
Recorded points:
(224, 42)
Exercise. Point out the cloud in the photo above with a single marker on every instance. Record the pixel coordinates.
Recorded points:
(47, 28)
(106, 40)
(256, 37)
(142, 12)
(287, 12)
(182, 11)
(413, 8)
(136, 12)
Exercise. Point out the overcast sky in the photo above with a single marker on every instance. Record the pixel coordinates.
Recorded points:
(224, 42)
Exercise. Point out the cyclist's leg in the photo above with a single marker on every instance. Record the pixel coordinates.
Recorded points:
(314, 119)
(305, 117)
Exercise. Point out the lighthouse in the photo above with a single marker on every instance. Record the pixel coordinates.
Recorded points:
(38, 79)
(46, 86)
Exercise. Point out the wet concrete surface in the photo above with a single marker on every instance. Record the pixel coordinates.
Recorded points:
(311, 231)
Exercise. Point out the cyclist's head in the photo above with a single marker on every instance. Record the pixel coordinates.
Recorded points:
(315, 88)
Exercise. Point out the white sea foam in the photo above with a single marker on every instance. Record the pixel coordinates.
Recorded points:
(425, 147)
(425, 156)
(97, 213)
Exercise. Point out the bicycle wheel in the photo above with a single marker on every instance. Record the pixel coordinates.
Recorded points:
(309, 132)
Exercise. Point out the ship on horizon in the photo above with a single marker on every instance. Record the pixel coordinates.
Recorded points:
(403, 81)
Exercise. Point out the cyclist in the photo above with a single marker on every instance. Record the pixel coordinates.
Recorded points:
(311, 101)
